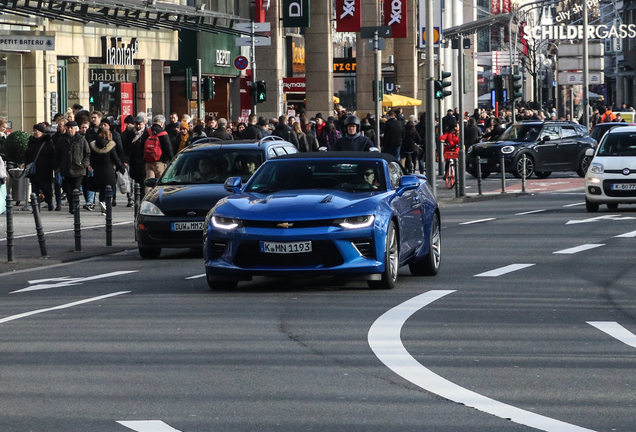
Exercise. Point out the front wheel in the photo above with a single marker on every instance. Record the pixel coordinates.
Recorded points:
(450, 176)
(391, 261)
(215, 284)
(543, 174)
(517, 168)
(429, 264)
(584, 165)
(591, 207)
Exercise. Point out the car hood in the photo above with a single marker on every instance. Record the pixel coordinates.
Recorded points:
(186, 198)
(299, 205)
(616, 163)
(497, 144)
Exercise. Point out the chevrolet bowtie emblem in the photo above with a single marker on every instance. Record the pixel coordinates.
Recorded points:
(285, 225)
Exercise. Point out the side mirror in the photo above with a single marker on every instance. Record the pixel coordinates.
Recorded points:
(374, 149)
(589, 152)
(409, 182)
(233, 184)
(151, 182)
(545, 138)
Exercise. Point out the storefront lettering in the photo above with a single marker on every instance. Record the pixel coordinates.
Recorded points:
(349, 8)
(223, 58)
(119, 53)
(569, 32)
(396, 12)
(111, 76)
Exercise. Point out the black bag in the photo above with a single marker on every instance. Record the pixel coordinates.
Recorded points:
(29, 171)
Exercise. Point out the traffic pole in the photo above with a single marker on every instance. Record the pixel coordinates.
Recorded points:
(9, 228)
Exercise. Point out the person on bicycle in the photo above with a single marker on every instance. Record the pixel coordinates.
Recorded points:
(451, 144)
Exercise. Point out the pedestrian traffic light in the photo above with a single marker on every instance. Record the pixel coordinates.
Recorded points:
(207, 88)
(499, 89)
(444, 84)
(261, 92)
(186, 84)
(515, 87)
(438, 89)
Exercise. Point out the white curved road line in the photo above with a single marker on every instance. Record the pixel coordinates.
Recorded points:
(385, 341)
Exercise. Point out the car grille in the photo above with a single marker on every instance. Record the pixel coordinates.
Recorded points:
(607, 187)
(324, 254)
(217, 247)
(620, 171)
(485, 152)
(366, 247)
(290, 224)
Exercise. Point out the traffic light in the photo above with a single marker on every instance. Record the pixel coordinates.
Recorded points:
(207, 88)
(499, 91)
(186, 84)
(515, 87)
(438, 90)
(445, 84)
(261, 92)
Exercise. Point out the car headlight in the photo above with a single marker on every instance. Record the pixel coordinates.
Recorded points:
(149, 209)
(355, 222)
(225, 223)
(507, 149)
(597, 168)
(594, 180)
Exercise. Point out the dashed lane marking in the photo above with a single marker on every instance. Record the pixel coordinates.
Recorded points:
(503, 270)
(615, 330)
(630, 234)
(148, 426)
(385, 340)
(575, 204)
(477, 221)
(196, 276)
(530, 212)
(578, 249)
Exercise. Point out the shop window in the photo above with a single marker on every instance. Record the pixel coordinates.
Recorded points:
(105, 97)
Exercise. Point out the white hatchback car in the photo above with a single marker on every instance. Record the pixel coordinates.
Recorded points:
(611, 178)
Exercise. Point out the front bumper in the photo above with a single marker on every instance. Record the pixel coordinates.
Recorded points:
(610, 188)
(158, 232)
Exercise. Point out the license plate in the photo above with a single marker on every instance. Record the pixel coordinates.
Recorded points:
(286, 248)
(623, 186)
(187, 226)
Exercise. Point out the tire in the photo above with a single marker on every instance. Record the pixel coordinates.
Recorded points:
(391, 261)
(542, 174)
(149, 252)
(591, 207)
(429, 264)
(517, 168)
(450, 177)
(612, 206)
(221, 285)
(584, 165)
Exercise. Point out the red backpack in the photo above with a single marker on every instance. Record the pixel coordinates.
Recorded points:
(152, 146)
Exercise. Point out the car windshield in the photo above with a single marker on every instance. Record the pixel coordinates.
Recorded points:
(325, 174)
(521, 133)
(618, 144)
(600, 129)
(212, 166)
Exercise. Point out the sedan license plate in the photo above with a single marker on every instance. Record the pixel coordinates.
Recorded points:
(624, 186)
(187, 226)
(286, 248)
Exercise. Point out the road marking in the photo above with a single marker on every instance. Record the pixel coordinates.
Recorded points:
(615, 330)
(64, 306)
(594, 219)
(196, 276)
(575, 204)
(41, 284)
(630, 234)
(66, 230)
(530, 212)
(385, 341)
(503, 270)
(477, 221)
(578, 249)
(148, 426)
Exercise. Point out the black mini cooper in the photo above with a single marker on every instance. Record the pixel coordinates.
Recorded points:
(548, 146)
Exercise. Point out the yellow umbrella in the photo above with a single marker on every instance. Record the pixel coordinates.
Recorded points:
(336, 99)
(396, 100)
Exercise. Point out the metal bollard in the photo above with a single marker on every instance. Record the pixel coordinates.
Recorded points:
(78, 226)
(109, 215)
(38, 225)
(9, 228)
(479, 175)
(523, 176)
(503, 175)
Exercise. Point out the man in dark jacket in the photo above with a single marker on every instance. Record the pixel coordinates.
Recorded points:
(95, 127)
(221, 132)
(72, 157)
(448, 121)
(154, 169)
(352, 140)
(251, 132)
(285, 132)
(472, 134)
(393, 135)
(262, 124)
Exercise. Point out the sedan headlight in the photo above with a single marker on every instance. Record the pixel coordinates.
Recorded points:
(597, 168)
(355, 222)
(507, 149)
(226, 223)
(149, 209)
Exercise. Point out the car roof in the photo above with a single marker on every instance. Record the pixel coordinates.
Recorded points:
(341, 155)
(624, 129)
(549, 122)
(207, 143)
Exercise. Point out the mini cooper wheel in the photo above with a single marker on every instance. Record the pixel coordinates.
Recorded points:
(391, 261)
(429, 264)
(542, 174)
(517, 168)
(584, 165)
(149, 252)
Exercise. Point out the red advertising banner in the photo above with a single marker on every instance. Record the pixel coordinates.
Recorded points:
(505, 6)
(127, 102)
(259, 11)
(395, 17)
(348, 15)
(494, 7)
(294, 85)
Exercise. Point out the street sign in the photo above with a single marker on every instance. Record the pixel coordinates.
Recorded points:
(575, 78)
(258, 27)
(240, 62)
(594, 49)
(258, 41)
(570, 63)
(381, 44)
(369, 32)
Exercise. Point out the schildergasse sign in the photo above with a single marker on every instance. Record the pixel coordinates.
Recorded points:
(573, 32)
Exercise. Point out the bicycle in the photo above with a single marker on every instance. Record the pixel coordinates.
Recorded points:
(450, 178)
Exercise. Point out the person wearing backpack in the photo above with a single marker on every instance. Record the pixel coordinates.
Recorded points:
(285, 132)
(156, 148)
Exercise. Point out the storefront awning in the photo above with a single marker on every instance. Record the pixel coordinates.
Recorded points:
(396, 100)
(146, 14)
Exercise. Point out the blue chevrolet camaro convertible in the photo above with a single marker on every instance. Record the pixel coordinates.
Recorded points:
(347, 214)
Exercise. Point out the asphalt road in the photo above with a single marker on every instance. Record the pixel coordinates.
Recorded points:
(88, 347)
